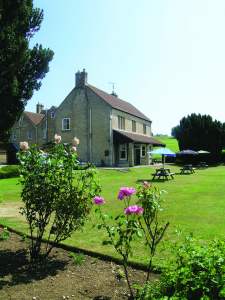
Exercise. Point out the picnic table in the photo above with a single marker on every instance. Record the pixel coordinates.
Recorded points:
(202, 165)
(188, 168)
(163, 172)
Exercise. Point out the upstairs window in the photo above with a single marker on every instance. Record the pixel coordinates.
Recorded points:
(14, 135)
(52, 114)
(21, 118)
(29, 134)
(144, 129)
(121, 122)
(66, 124)
(133, 126)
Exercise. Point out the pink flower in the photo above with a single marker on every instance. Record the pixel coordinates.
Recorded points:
(57, 138)
(121, 196)
(127, 191)
(75, 141)
(74, 149)
(146, 183)
(24, 145)
(99, 200)
(133, 209)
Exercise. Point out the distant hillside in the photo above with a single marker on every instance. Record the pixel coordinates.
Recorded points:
(171, 143)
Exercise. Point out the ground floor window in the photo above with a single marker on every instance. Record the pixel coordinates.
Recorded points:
(143, 151)
(123, 151)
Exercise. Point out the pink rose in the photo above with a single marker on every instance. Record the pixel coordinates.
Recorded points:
(127, 191)
(133, 209)
(74, 149)
(57, 138)
(24, 145)
(146, 183)
(75, 141)
(99, 200)
(121, 196)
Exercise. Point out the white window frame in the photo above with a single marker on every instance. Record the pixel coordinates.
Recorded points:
(65, 129)
(44, 134)
(144, 129)
(121, 122)
(29, 134)
(14, 135)
(143, 147)
(123, 150)
(133, 126)
(52, 114)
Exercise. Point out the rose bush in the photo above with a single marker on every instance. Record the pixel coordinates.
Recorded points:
(54, 194)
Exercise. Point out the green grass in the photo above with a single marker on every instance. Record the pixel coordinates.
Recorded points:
(171, 143)
(195, 202)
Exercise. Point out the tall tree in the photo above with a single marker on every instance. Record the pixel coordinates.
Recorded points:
(198, 132)
(21, 68)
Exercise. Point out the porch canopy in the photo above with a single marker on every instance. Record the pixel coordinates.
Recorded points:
(121, 137)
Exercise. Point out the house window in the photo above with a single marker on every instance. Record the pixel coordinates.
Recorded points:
(133, 126)
(21, 118)
(143, 151)
(121, 122)
(123, 152)
(144, 129)
(14, 135)
(44, 133)
(66, 124)
(52, 114)
(29, 134)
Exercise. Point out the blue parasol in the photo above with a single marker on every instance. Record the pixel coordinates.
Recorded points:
(163, 152)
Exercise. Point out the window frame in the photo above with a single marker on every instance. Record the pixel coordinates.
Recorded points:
(133, 126)
(123, 150)
(63, 129)
(44, 133)
(121, 122)
(143, 147)
(14, 135)
(29, 134)
(144, 129)
(52, 114)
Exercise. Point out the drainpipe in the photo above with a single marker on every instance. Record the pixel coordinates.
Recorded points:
(36, 135)
(90, 139)
(19, 133)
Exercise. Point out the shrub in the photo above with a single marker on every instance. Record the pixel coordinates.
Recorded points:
(179, 162)
(195, 271)
(9, 172)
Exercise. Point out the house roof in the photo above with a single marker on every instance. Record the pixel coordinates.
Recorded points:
(118, 103)
(35, 118)
(126, 137)
(9, 147)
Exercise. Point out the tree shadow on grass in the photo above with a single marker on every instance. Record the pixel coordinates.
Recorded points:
(15, 268)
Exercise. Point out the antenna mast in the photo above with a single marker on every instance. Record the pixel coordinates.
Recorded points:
(113, 83)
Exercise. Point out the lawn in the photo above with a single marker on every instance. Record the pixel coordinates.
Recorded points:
(195, 202)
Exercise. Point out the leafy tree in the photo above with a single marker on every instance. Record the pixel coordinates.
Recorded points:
(197, 132)
(21, 68)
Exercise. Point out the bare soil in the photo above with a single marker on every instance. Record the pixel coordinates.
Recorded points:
(59, 277)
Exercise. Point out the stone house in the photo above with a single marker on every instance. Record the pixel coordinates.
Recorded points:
(111, 131)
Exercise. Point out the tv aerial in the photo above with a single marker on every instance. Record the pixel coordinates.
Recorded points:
(113, 83)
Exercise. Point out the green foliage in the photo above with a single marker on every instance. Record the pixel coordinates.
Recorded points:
(150, 200)
(21, 68)
(54, 194)
(5, 235)
(9, 172)
(194, 271)
(78, 258)
(198, 132)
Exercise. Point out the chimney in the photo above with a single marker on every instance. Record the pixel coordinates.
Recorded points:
(114, 94)
(39, 108)
(81, 79)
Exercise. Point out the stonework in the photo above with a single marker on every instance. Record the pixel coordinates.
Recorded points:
(91, 115)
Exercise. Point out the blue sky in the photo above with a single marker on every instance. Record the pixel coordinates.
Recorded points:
(167, 58)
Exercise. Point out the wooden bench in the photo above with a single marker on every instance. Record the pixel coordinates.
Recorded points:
(164, 175)
(192, 170)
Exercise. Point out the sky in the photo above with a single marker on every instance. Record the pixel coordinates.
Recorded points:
(166, 57)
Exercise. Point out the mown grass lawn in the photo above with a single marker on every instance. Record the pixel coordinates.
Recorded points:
(195, 202)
